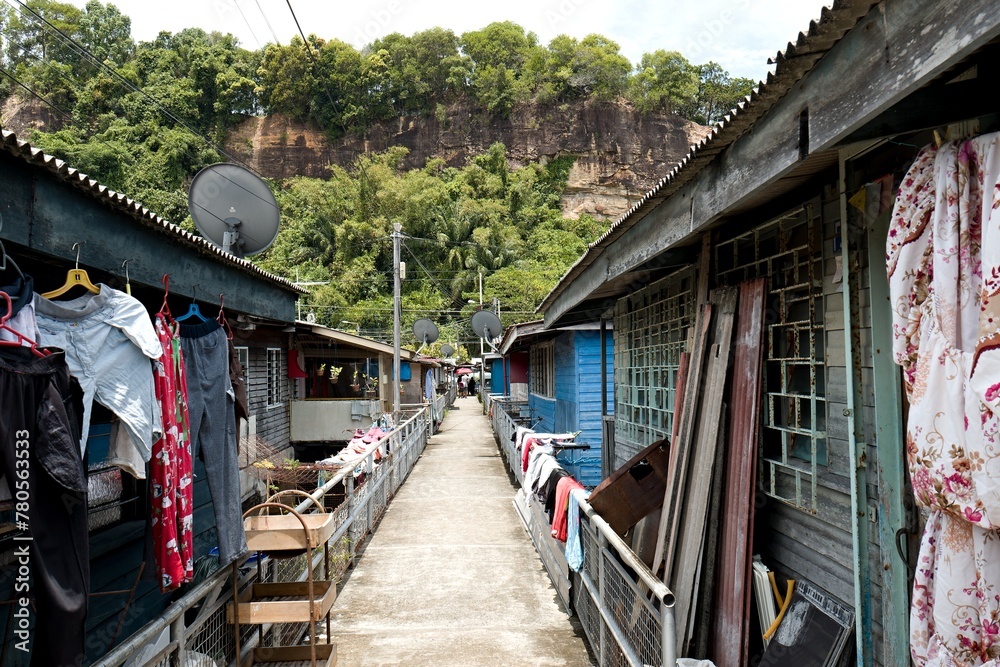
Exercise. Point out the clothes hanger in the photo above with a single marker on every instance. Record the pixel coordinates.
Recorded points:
(74, 277)
(193, 311)
(165, 309)
(4, 257)
(221, 319)
(128, 283)
(21, 338)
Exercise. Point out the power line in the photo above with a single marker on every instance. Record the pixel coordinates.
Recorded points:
(249, 27)
(269, 27)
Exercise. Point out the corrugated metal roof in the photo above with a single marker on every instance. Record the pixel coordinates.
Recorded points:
(352, 340)
(791, 65)
(116, 200)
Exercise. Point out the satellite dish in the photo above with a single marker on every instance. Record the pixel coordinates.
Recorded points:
(486, 324)
(447, 350)
(234, 209)
(425, 331)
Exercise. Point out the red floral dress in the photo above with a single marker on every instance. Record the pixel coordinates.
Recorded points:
(171, 468)
(943, 261)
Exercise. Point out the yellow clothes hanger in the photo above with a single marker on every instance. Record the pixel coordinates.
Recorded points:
(74, 278)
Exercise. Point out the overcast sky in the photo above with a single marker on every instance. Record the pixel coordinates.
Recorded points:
(739, 34)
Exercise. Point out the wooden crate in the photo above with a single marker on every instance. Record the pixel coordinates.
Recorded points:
(283, 602)
(293, 656)
(283, 532)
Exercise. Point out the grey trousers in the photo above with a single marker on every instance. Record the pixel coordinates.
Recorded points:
(213, 429)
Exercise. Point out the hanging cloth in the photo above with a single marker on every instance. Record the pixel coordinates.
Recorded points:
(943, 265)
(171, 468)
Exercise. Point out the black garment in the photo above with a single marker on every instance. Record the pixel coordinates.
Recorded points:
(21, 292)
(42, 415)
(549, 491)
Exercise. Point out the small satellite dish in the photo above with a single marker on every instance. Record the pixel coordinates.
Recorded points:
(234, 209)
(425, 331)
(447, 350)
(486, 324)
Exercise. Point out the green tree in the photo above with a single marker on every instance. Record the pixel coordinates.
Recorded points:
(497, 54)
(106, 33)
(287, 83)
(717, 94)
(664, 81)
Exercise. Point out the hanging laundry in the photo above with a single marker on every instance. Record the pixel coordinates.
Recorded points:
(171, 467)
(574, 545)
(109, 343)
(22, 314)
(547, 491)
(943, 263)
(42, 419)
(213, 429)
(560, 520)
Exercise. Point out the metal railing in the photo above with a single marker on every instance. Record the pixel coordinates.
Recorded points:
(627, 613)
(208, 639)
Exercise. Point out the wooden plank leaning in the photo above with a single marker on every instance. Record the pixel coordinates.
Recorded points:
(683, 546)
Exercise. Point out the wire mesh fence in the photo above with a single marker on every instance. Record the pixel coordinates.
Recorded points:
(627, 618)
(196, 629)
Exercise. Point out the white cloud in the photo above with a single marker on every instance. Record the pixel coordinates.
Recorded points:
(739, 34)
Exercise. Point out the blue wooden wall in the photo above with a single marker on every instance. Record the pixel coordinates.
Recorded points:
(577, 403)
(498, 378)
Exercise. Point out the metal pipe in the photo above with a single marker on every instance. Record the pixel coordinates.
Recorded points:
(655, 585)
(396, 314)
(623, 643)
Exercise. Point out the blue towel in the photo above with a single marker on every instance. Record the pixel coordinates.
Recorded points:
(574, 545)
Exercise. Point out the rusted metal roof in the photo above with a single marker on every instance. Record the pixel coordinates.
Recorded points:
(791, 65)
(119, 202)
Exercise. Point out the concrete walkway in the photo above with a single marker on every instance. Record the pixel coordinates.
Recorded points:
(450, 576)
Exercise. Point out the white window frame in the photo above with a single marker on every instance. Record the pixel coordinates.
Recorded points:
(542, 369)
(273, 377)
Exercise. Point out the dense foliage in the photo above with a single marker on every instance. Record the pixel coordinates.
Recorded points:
(144, 117)
(485, 218)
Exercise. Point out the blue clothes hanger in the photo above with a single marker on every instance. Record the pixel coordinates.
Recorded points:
(193, 311)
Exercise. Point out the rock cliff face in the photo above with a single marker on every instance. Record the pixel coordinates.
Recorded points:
(620, 152)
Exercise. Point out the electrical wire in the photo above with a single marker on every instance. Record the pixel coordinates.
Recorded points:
(269, 27)
(249, 27)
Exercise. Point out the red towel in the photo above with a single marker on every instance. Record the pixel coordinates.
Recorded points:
(559, 516)
(528, 444)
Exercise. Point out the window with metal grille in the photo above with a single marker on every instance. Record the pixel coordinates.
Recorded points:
(543, 370)
(788, 251)
(274, 375)
(650, 334)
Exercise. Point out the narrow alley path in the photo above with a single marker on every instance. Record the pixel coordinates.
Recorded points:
(451, 577)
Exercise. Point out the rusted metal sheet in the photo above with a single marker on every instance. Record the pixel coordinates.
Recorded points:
(730, 644)
(635, 489)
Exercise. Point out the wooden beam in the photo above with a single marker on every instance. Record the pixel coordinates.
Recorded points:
(898, 48)
(933, 107)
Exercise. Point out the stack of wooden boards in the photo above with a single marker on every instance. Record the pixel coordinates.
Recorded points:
(689, 501)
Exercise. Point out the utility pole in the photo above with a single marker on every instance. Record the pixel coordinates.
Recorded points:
(482, 350)
(396, 308)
